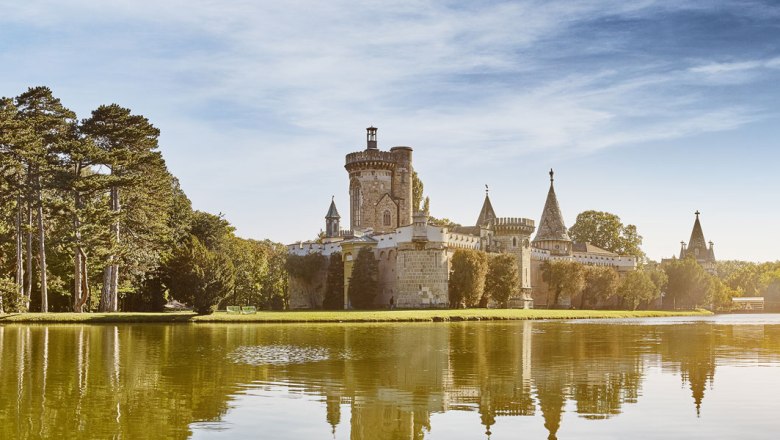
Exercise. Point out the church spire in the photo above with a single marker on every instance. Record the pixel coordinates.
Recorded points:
(486, 214)
(551, 226)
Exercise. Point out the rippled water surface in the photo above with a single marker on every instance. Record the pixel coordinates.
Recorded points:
(714, 377)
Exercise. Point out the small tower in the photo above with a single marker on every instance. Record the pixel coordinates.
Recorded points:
(486, 214)
(332, 220)
(371, 138)
(551, 233)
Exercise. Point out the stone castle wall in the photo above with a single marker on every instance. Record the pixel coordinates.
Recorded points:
(422, 275)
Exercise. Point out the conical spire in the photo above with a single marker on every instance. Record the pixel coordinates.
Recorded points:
(486, 214)
(697, 246)
(551, 226)
(332, 211)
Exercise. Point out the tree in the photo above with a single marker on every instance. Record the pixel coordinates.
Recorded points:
(637, 286)
(601, 282)
(503, 279)
(51, 127)
(565, 278)
(364, 282)
(467, 278)
(128, 143)
(688, 284)
(199, 276)
(417, 191)
(334, 286)
(305, 269)
(605, 230)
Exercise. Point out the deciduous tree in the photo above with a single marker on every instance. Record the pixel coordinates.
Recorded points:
(503, 279)
(467, 278)
(563, 278)
(606, 231)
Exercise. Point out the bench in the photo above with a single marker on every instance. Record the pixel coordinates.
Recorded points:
(249, 310)
(233, 309)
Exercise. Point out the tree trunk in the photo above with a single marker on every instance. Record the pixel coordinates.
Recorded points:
(80, 282)
(19, 250)
(42, 249)
(28, 284)
(77, 281)
(109, 294)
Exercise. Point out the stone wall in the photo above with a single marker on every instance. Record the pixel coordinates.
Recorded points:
(308, 295)
(422, 275)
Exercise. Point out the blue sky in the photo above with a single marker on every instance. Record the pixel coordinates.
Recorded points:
(647, 109)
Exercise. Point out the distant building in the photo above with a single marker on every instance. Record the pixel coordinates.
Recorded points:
(697, 248)
(415, 256)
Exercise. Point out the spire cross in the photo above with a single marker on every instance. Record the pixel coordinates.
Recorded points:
(697, 213)
(486, 189)
(552, 173)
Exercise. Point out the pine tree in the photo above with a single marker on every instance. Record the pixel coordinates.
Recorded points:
(51, 127)
(138, 180)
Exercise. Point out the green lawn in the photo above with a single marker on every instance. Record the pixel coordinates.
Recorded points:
(342, 316)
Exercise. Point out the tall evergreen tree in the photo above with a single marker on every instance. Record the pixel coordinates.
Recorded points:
(364, 282)
(52, 127)
(128, 144)
(334, 286)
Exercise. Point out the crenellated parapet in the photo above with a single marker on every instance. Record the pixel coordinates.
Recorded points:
(513, 225)
(370, 160)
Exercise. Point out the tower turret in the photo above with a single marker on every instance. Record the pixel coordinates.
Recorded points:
(380, 186)
(332, 220)
(486, 214)
(371, 138)
(552, 233)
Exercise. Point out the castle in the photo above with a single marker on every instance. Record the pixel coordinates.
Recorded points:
(414, 256)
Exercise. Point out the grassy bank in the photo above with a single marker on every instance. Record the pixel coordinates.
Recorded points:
(342, 316)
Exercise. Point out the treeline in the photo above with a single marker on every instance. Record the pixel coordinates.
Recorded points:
(92, 220)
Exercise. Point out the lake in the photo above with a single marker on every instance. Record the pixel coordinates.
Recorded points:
(703, 377)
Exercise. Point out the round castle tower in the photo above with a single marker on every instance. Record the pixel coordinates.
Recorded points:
(380, 186)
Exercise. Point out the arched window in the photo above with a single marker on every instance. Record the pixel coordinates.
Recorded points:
(386, 218)
(354, 202)
(514, 241)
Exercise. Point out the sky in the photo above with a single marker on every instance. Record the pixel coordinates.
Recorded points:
(647, 109)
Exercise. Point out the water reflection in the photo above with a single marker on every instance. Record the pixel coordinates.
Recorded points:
(373, 381)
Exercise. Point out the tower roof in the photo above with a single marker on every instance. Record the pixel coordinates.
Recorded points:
(332, 211)
(697, 246)
(486, 213)
(551, 226)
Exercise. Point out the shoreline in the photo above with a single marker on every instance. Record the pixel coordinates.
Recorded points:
(339, 316)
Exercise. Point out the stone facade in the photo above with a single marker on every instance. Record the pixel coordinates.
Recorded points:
(415, 257)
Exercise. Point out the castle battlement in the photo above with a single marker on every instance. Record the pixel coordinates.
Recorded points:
(513, 225)
(370, 159)
(512, 221)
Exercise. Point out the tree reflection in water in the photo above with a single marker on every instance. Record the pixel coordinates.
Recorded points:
(155, 381)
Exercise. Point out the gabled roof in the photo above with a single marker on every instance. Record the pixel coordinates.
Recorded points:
(551, 226)
(332, 211)
(487, 213)
(591, 249)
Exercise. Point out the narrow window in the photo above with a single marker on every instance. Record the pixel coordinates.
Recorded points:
(386, 218)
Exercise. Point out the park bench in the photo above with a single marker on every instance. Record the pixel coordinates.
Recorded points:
(248, 310)
(233, 309)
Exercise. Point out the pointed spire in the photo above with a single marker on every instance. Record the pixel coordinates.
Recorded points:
(486, 214)
(332, 211)
(697, 242)
(551, 226)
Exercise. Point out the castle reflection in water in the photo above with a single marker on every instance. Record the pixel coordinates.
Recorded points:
(160, 381)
